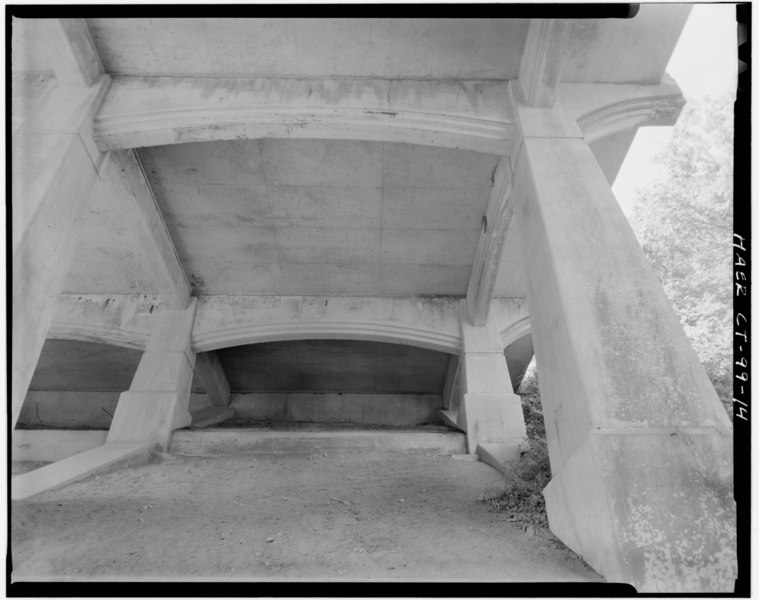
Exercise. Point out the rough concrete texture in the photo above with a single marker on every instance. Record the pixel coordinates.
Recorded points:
(307, 438)
(663, 528)
(346, 516)
(402, 410)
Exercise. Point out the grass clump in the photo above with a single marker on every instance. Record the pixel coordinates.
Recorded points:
(523, 500)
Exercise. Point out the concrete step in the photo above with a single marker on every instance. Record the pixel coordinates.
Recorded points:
(500, 456)
(266, 441)
(211, 415)
(450, 417)
(79, 466)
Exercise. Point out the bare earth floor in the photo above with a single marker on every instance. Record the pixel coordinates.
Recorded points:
(359, 515)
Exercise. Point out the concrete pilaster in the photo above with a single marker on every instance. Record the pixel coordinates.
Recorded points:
(157, 402)
(54, 169)
(639, 444)
(489, 413)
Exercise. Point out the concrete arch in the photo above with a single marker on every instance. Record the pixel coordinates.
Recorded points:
(139, 112)
(366, 331)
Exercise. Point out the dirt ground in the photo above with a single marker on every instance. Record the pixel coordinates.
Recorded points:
(323, 516)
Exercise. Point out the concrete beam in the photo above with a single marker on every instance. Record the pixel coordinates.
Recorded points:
(149, 111)
(490, 246)
(54, 171)
(213, 378)
(540, 70)
(126, 174)
(72, 52)
(639, 443)
(77, 467)
(158, 399)
(224, 321)
(108, 319)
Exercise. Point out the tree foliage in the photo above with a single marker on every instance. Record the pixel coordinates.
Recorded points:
(684, 224)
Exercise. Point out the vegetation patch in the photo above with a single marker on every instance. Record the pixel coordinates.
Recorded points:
(524, 501)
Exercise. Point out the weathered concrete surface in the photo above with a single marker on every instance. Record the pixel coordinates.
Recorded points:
(653, 509)
(614, 361)
(487, 412)
(158, 399)
(266, 441)
(52, 445)
(499, 456)
(79, 466)
(234, 320)
(401, 410)
(542, 60)
(54, 170)
(153, 111)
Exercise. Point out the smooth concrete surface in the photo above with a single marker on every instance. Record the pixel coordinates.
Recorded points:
(51, 445)
(487, 412)
(158, 399)
(54, 172)
(79, 466)
(322, 216)
(266, 441)
(76, 409)
(400, 410)
(614, 364)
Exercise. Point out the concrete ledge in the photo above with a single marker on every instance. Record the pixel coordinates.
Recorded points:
(499, 456)
(211, 415)
(51, 445)
(274, 442)
(79, 466)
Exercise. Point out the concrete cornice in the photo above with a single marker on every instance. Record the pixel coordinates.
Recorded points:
(148, 111)
(603, 110)
(224, 321)
(469, 115)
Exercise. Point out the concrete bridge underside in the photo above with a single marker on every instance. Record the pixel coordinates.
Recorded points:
(193, 191)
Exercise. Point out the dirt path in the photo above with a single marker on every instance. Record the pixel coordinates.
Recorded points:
(354, 516)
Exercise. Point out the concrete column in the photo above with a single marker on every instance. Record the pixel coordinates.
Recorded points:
(489, 412)
(639, 444)
(157, 402)
(54, 168)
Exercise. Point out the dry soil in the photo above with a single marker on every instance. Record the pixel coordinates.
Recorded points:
(352, 516)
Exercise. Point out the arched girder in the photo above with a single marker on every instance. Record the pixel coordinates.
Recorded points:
(150, 111)
(365, 331)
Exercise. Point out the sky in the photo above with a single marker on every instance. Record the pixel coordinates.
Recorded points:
(704, 62)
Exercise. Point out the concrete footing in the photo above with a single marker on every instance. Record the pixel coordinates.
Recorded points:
(79, 466)
(259, 441)
(450, 418)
